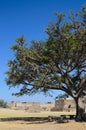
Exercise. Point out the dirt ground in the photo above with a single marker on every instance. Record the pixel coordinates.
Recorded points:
(25, 125)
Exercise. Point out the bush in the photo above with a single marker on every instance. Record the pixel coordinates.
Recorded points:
(3, 104)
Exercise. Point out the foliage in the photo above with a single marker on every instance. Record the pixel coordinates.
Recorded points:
(58, 63)
(61, 96)
(3, 104)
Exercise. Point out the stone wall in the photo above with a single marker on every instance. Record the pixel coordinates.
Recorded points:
(62, 105)
(69, 105)
(28, 106)
(47, 106)
(32, 106)
(82, 103)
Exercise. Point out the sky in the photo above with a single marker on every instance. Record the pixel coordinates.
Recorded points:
(29, 18)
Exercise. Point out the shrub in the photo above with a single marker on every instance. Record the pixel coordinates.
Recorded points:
(3, 104)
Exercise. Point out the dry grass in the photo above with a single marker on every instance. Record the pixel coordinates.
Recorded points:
(6, 113)
(20, 125)
(26, 125)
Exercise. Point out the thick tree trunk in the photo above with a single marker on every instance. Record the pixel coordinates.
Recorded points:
(79, 111)
(77, 107)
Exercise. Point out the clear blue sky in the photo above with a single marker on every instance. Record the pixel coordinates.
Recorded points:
(28, 18)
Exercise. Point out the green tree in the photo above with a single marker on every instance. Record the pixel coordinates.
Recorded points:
(58, 63)
(3, 104)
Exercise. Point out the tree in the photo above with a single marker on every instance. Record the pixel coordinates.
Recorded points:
(58, 63)
(3, 104)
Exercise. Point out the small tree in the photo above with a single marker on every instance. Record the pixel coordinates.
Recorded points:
(59, 63)
(3, 104)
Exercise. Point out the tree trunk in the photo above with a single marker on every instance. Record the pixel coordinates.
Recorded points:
(79, 111)
(77, 107)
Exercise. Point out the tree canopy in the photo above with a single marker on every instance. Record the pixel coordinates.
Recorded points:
(58, 63)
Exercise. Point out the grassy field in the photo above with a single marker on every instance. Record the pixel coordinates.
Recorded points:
(35, 125)
(6, 113)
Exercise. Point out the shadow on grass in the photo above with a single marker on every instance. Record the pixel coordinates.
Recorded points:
(31, 120)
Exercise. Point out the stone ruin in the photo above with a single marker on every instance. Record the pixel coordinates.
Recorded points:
(82, 103)
(28, 106)
(31, 106)
(59, 105)
(47, 106)
(34, 107)
(64, 105)
(69, 105)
